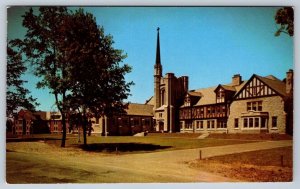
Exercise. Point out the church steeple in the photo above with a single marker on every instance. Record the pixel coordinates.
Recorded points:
(157, 66)
(157, 62)
(157, 75)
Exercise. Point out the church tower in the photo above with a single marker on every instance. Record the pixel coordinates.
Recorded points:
(157, 75)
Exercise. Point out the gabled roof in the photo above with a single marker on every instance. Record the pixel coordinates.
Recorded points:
(271, 81)
(208, 95)
(274, 83)
(226, 87)
(140, 109)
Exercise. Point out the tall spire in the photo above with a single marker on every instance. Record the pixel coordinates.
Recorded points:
(157, 62)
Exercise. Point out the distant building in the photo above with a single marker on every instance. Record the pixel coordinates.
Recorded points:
(26, 123)
(138, 118)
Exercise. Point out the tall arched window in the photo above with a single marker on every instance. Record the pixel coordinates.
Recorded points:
(162, 94)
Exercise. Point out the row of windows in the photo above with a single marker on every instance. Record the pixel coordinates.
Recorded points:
(132, 121)
(211, 124)
(248, 122)
(198, 112)
(255, 122)
(254, 106)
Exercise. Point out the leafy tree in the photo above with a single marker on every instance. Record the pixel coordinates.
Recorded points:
(98, 83)
(41, 46)
(76, 61)
(16, 95)
(285, 17)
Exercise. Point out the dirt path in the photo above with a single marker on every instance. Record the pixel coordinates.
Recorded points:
(167, 166)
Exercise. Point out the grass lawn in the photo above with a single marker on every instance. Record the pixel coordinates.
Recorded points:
(263, 165)
(129, 144)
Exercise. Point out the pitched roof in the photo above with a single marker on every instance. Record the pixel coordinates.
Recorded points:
(194, 93)
(140, 109)
(150, 101)
(208, 96)
(228, 88)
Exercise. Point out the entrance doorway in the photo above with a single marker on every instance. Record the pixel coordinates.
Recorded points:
(161, 126)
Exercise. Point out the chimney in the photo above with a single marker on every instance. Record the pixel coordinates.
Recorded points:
(289, 81)
(236, 80)
(185, 83)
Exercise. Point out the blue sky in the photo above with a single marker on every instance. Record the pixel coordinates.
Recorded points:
(208, 44)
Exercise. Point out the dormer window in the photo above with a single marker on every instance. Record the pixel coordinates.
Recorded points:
(221, 96)
(187, 100)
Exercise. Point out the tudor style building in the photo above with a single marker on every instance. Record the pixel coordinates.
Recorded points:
(257, 105)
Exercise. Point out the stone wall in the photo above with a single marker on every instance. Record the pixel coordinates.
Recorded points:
(273, 105)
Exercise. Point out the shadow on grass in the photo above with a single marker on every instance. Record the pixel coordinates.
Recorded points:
(122, 147)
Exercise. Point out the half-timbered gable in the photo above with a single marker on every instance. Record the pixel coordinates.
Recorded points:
(258, 86)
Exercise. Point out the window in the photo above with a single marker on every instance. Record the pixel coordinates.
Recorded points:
(263, 122)
(188, 125)
(147, 121)
(208, 124)
(236, 123)
(187, 101)
(201, 124)
(274, 121)
(208, 110)
(212, 110)
(201, 111)
(223, 109)
(162, 97)
(256, 122)
(220, 96)
(251, 122)
(259, 106)
(97, 120)
(136, 121)
(245, 122)
(212, 124)
(254, 106)
(125, 121)
(221, 124)
(181, 125)
(248, 106)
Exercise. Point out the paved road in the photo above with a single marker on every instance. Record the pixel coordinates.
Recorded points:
(166, 166)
